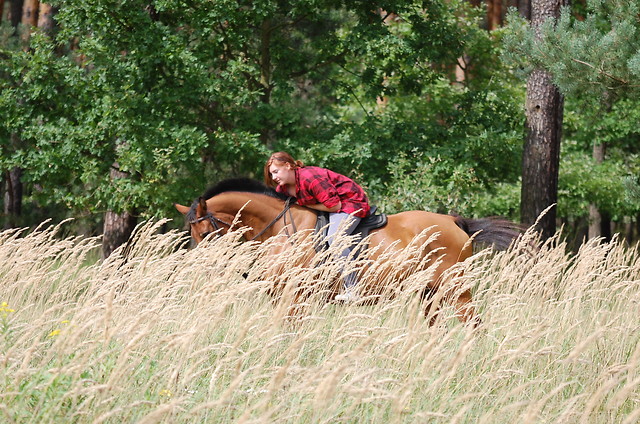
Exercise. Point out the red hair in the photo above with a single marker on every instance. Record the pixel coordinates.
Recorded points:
(282, 158)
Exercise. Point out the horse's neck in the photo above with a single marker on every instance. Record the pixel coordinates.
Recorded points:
(305, 218)
(259, 211)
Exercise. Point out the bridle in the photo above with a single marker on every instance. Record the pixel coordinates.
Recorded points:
(214, 220)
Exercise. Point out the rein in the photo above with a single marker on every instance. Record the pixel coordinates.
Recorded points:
(287, 207)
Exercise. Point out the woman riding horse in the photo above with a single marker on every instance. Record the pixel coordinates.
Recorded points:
(325, 191)
(434, 241)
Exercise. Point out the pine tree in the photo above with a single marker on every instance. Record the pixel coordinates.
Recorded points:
(595, 62)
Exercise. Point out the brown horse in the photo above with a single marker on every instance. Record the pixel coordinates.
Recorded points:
(435, 240)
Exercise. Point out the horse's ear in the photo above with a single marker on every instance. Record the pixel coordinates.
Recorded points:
(202, 206)
(182, 209)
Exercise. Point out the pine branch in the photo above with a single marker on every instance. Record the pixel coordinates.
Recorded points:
(602, 72)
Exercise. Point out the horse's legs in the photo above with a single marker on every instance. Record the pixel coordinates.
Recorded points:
(465, 311)
(461, 299)
(431, 306)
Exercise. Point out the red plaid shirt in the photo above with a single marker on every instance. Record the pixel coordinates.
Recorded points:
(318, 185)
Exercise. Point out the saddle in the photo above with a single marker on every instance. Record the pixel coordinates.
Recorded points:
(373, 221)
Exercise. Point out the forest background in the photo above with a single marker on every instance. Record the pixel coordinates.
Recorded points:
(114, 110)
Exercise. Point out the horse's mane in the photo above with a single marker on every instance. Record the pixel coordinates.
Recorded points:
(246, 185)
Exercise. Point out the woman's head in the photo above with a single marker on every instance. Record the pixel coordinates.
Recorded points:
(280, 164)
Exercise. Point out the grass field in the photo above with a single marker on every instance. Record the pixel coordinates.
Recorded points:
(180, 336)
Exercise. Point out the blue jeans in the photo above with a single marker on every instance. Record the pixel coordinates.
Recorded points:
(335, 221)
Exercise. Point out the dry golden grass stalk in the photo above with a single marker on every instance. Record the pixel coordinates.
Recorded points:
(160, 333)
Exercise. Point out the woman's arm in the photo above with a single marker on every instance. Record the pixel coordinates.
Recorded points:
(323, 208)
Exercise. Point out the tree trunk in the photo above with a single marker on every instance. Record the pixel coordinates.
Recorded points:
(628, 231)
(13, 190)
(594, 221)
(13, 178)
(45, 18)
(461, 70)
(117, 226)
(13, 197)
(1, 11)
(15, 12)
(541, 156)
(30, 13)
(524, 8)
(494, 14)
(29, 19)
(117, 230)
(599, 222)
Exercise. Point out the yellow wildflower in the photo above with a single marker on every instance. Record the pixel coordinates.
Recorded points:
(165, 393)
(57, 330)
(4, 308)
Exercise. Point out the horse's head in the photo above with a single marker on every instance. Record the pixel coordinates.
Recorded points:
(220, 205)
(202, 222)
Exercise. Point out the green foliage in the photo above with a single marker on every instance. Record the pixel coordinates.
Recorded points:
(439, 149)
(594, 55)
(593, 62)
(610, 185)
(176, 96)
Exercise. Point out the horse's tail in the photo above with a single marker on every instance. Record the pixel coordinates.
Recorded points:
(496, 231)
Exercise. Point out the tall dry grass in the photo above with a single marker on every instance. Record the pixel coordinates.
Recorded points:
(180, 336)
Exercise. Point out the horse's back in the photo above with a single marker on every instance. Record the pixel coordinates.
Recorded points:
(403, 228)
